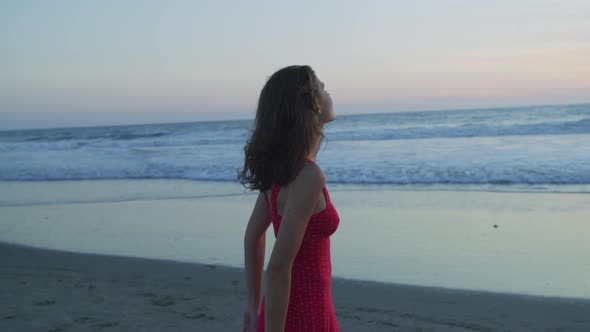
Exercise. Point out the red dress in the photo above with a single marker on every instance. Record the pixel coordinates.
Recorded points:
(310, 303)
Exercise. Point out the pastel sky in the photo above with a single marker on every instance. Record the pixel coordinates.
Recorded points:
(78, 63)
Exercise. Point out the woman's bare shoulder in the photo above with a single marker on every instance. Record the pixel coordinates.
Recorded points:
(311, 176)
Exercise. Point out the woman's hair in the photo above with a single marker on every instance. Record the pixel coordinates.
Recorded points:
(286, 128)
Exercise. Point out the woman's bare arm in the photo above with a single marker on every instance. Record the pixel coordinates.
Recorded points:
(304, 193)
(254, 246)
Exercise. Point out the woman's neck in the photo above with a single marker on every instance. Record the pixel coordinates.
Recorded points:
(315, 148)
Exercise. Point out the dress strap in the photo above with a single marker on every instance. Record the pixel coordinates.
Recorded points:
(309, 160)
(273, 198)
(328, 200)
(266, 198)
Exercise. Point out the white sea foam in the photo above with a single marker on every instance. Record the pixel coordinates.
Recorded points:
(513, 146)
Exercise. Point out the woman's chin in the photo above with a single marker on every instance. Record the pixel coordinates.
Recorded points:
(327, 119)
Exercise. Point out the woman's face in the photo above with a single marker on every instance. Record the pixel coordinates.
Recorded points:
(326, 109)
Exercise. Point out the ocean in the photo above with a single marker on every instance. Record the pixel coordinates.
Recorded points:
(538, 149)
(490, 199)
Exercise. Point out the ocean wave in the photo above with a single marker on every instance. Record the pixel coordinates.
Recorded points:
(334, 179)
(463, 130)
(510, 147)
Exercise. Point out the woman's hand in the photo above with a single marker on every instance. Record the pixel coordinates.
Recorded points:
(250, 319)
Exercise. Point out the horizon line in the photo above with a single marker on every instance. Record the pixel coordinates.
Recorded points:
(343, 115)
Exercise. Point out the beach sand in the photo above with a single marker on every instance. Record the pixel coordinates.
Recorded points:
(47, 290)
(507, 243)
(525, 243)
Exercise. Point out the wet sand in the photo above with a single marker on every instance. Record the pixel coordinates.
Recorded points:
(47, 290)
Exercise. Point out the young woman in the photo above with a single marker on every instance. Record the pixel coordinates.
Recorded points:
(280, 163)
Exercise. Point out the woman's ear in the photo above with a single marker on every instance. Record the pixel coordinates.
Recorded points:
(318, 109)
(318, 105)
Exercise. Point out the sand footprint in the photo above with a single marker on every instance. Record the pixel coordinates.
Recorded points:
(163, 301)
(57, 329)
(198, 313)
(107, 325)
(45, 302)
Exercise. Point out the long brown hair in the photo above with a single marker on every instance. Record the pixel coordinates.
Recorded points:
(286, 128)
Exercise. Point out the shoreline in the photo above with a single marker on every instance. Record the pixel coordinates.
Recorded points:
(524, 188)
(499, 242)
(64, 290)
(4, 245)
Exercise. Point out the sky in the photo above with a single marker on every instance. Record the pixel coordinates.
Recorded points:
(83, 63)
